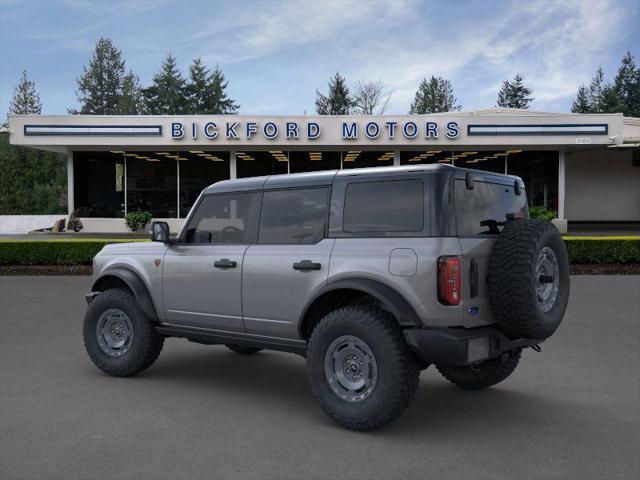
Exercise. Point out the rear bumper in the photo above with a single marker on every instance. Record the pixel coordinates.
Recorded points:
(456, 347)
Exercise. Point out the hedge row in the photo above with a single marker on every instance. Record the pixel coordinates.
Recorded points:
(582, 250)
(52, 252)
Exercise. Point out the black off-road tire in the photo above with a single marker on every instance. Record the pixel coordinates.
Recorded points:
(397, 369)
(512, 279)
(241, 349)
(146, 342)
(485, 375)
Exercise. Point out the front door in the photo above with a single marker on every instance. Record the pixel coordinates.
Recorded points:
(202, 273)
(289, 262)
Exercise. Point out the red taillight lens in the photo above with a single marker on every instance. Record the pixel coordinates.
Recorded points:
(449, 280)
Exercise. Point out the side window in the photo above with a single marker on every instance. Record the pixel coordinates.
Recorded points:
(221, 219)
(385, 206)
(296, 216)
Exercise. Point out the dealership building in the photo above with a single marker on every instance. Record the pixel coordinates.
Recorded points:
(585, 167)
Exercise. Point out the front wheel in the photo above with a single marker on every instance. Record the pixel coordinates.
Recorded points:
(118, 337)
(486, 374)
(361, 371)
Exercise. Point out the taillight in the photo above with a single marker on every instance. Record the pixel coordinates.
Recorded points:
(449, 280)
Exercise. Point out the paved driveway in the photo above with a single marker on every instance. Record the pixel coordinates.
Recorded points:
(205, 412)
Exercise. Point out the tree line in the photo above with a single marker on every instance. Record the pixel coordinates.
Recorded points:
(34, 182)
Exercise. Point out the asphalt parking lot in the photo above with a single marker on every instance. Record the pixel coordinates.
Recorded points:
(572, 411)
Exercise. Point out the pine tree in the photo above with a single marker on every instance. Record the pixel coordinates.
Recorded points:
(196, 89)
(338, 101)
(433, 96)
(130, 101)
(206, 92)
(167, 95)
(596, 91)
(25, 99)
(627, 86)
(99, 86)
(218, 100)
(514, 94)
(581, 104)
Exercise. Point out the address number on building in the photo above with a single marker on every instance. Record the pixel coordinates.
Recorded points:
(583, 141)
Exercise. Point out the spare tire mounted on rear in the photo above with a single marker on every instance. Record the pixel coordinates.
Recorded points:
(529, 279)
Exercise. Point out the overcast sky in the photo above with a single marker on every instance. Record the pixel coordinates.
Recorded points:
(275, 54)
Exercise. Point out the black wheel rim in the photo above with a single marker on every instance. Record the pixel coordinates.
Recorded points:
(350, 368)
(114, 332)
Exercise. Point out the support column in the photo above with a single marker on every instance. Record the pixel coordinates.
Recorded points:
(71, 204)
(177, 188)
(396, 158)
(233, 171)
(561, 222)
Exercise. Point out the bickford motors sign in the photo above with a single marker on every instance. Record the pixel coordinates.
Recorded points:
(294, 130)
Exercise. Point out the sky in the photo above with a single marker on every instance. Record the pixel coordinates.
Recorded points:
(275, 54)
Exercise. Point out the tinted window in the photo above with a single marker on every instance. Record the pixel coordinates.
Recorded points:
(221, 219)
(391, 206)
(294, 216)
(484, 209)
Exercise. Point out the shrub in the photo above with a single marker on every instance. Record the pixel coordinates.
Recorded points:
(603, 249)
(52, 252)
(75, 223)
(137, 220)
(542, 213)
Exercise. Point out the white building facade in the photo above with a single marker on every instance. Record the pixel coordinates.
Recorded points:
(584, 167)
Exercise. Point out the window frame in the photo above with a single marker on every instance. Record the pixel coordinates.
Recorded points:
(328, 191)
(252, 225)
(338, 203)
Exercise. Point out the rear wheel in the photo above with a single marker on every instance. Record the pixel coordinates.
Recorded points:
(361, 371)
(241, 349)
(118, 337)
(486, 374)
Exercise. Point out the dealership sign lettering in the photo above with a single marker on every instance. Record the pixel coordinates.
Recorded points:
(349, 130)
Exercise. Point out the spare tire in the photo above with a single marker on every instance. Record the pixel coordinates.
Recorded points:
(529, 279)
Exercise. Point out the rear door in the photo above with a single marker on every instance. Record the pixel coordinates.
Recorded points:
(480, 214)
(289, 261)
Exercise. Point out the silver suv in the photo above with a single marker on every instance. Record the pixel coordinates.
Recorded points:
(371, 274)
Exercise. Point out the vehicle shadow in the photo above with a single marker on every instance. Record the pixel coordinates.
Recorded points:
(278, 381)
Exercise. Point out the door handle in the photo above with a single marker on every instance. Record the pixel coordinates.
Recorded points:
(225, 263)
(306, 265)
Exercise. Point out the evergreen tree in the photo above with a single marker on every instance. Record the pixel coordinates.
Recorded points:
(338, 101)
(218, 100)
(25, 99)
(581, 104)
(130, 101)
(206, 92)
(627, 86)
(433, 96)
(100, 85)
(167, 95)
(596, 91)
(514, 94)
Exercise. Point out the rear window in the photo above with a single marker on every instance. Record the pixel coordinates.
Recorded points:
(483, 210)
(389, 206)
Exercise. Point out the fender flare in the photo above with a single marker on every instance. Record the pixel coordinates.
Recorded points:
(397, 305)
(135, 284)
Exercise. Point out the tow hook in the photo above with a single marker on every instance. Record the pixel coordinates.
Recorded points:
(536, 348)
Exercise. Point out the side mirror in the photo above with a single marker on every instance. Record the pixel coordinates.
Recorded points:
(160, 232)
